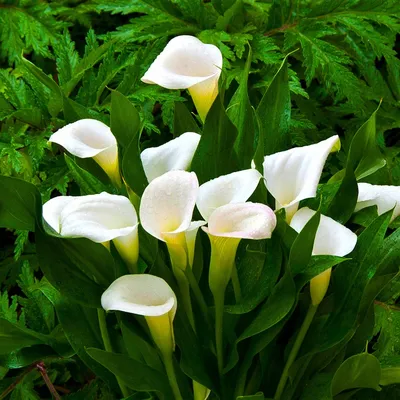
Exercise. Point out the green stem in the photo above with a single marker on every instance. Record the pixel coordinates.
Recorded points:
(219, 321)
(295, 349)
(169, 367)
(197, 292)
(107, 345)
(242, 375)
(236, 284)
(184, 290)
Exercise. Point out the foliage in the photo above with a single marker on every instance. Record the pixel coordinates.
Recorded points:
(341, 62)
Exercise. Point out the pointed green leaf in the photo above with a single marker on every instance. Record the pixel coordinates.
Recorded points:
(215, 154)
(359, 371)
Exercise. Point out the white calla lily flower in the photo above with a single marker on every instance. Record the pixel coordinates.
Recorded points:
(146, 295)
(236, 187)
(385, 197)
(167, 205)
(177, 154)
(293, 175)
(188, 63)
(152, 297)
(332, 239)
(227, 225)
(100, 218)
(89, 138)
(166, 213)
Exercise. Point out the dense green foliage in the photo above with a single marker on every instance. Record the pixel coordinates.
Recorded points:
(59, 62)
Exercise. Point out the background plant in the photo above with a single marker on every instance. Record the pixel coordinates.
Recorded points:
(343, 62)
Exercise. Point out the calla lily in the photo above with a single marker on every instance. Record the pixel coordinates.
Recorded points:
(89, 138)
(227, 225)
(236, 187)
(100, 218)
(293, 175)
(384, 197)
(166, 213)
(332, 239)
(152, 297)
(188, 63)
(146, 295)
(177, 154)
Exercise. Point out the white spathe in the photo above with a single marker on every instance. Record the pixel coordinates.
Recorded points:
(146, 295)
(242, 221)
(188, 63)
(177, 154)
(236, 187)
(293, 175)
(332, 239)
(140, 294)
(384, 197)
(99, 217)
(167, 204)
(89, 138)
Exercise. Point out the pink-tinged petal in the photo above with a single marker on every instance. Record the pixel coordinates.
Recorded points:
(242, 220)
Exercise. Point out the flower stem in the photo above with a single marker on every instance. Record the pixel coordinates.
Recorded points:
(219, 321)
(295, 349)
(169, 367)
(197, 292)
(236, 284)
(107, 344)
(184, 290)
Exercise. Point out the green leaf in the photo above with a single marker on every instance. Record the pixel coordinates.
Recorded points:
(20, 204)
(14, 337)
(301, 250)
(81, 332)
(137, 346)
(274, 115)
(258, 273)
(274, 309)
(125, 124)
(215, 154)
(390, 376)
(241, 114)
(132, 373)
(91, 58)
(364, 158)
(349, 281)
(183, 120)
(194, 357)
(74, 266)
(359, 371)
(319, 387)
(56, 103)
(316, 266)
(364, 154)
(88, 183)
(125, 119)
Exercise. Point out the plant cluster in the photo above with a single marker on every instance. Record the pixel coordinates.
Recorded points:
(284, 74)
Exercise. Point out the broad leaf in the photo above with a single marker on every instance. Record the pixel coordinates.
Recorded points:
(215, 154)
(359, 371)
